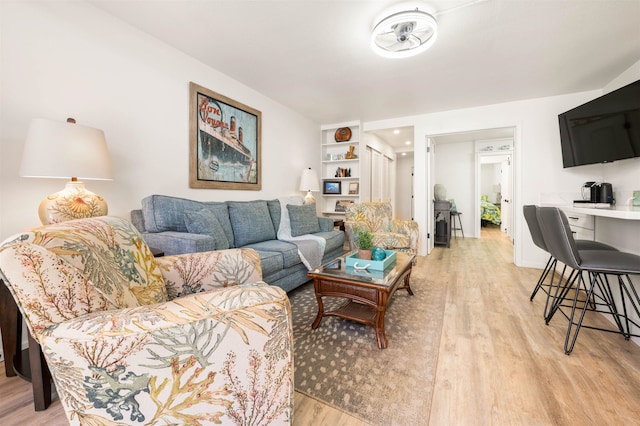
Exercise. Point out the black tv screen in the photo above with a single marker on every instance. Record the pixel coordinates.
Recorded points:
(603, 130)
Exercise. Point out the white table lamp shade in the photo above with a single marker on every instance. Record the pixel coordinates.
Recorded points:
(56, 149)
(67, 150)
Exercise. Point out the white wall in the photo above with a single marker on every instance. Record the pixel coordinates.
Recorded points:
(537, 159)
(69, 59)
(455, 169)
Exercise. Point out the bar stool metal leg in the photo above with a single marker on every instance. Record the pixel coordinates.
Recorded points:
(453, 224)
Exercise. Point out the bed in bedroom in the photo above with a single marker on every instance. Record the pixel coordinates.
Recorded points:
(489, 212)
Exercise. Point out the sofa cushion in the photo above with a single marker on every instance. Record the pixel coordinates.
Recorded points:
(304, 219)
(275, 211)
(251, 222)
(205, 222)
(391, 240)
(164, 213)
(270, 262)
(334, 240)
(172, 242)
(221, 213)
(289, 251)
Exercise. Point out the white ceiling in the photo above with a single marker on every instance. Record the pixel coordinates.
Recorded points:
(314, 57)
(397, 138)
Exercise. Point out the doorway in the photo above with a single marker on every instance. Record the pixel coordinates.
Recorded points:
(494, 180)
(455, 164)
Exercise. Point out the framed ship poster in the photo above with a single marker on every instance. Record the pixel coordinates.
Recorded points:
(224, 142)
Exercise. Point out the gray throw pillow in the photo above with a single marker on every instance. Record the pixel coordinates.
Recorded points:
(304, 219)
(251, 222)
(204, 222)
(221, 212)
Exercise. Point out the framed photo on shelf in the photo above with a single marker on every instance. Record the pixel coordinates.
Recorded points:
(341, 205)
(224, 142)
(354, 188)
(332, 187)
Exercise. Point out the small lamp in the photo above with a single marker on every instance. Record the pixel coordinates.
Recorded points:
(309, 182)
(55, 149)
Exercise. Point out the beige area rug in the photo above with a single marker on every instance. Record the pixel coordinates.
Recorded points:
(340, 363)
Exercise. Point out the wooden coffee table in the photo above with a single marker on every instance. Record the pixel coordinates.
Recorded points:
(367, 292)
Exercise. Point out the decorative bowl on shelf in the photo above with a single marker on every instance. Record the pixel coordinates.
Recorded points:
(343, 134)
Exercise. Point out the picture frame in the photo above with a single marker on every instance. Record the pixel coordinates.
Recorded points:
(332, 187)
(341, 205)
(354, 187)
(225, 142)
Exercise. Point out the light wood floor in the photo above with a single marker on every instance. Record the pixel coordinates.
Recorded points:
(498, 362)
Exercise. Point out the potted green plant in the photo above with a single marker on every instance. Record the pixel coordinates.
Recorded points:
(364, 242)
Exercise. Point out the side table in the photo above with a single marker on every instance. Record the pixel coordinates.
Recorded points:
(27, 363)
(156, 252)
(442, 223)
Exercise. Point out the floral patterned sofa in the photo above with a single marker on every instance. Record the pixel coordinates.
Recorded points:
(132, 339)
(387, 232)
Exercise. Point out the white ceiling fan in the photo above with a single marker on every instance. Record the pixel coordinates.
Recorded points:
(404, 34)
(407, 32)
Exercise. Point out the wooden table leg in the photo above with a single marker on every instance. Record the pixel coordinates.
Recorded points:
(381, 310)
(316, 322)
(11, 326)
(40, 376)
(29, 363)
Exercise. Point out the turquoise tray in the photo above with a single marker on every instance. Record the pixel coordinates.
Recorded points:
(375, 265)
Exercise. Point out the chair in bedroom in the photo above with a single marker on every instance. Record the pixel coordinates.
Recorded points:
(531, 217)
(387, 232)
(129, 338)
(597, 290)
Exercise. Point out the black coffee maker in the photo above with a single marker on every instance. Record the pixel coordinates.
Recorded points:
(599, 192)
(606, 193)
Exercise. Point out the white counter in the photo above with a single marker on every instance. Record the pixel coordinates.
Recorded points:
(616, 212)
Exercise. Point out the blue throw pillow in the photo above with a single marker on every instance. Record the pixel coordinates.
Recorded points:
(204, 222)
(251, 222)
(221, 212)
(304, 219)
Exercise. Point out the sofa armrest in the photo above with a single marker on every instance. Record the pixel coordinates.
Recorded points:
(172, 242)
(209, 271)
(326, 224)
(138, 220)
(407, 227)
(204, 357)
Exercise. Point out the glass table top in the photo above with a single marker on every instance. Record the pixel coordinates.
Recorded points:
(338, 268)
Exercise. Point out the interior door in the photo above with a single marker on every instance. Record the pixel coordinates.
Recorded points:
(431, 177)
(507, 197)
(413, 214)
(376, 176)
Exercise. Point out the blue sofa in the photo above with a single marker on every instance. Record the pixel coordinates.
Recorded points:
(177, 225)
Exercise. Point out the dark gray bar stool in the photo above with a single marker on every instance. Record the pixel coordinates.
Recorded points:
(531, 217)
(456, 215)
(598, 264)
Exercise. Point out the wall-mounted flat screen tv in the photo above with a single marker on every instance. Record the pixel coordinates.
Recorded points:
(603, 130)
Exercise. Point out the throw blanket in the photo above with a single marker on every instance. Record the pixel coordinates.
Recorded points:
(310, 247)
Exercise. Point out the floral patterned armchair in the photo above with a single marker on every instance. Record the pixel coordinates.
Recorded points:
(387, 232)
(132, 339)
